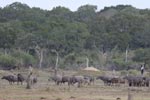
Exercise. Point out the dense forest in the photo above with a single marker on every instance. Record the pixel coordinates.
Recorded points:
(117, 36)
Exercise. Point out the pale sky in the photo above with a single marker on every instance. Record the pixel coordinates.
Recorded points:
(74, 4)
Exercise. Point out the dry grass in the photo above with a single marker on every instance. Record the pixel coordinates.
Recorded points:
(91, 73)
(49, 91)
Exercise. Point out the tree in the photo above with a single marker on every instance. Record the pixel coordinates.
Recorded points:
(7, 36)
(142, 55)
(69, 38)
(86, 13)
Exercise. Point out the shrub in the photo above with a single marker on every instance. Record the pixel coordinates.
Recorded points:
(24, 58)
(124, 72)
(7, 60)
(133, 72)
(120, 64)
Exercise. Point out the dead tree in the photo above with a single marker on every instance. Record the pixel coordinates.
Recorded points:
(29, 81)
(129, 95)
(40, 53)
(56, 64)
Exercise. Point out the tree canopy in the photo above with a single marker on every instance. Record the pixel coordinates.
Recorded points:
(28, 30)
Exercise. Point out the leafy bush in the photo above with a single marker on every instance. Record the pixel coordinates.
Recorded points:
(133, 72)
(7, 60)
(120, 64)
(130, 72)
(24, 58)
(142, 55)
(124, 72)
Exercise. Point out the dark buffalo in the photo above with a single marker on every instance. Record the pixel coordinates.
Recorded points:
(33, 80)
(10, 78)
(89, 79)
(57, 79)
(105, 79)
(77, 79)
(137, 81)
(146, 81)
(66, 79)
(70, 80)
(117, 81)
(20, 78)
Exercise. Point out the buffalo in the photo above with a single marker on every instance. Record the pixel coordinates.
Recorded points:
(34, 80)
(20, 78)
(137, 81)
(77, 79)
(105, 79)
(57, 79)
(10, 78)
(66, 79)
(71, 80)
(117, 81)
(89, 79)
(111, 80)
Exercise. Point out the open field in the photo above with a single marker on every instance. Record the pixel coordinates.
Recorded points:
(45, 90)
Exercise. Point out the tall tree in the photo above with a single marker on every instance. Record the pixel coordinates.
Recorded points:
(7, 36)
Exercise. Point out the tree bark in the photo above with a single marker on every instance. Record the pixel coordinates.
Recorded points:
(28, 82)
(56, 65)
(41, 58)
(87, 62)
(129, 95)
(5, 51)
(126, 57)
(40, 53)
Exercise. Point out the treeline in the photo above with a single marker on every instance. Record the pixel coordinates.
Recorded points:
(36, 36)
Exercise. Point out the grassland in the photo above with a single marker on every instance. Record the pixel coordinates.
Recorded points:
(45, 90)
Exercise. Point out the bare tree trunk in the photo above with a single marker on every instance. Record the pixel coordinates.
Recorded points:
(129, 95)
(40, 52)
(126, 57)
(41, 58)
(87, 62)
(56, 65)
(5, 51)
(28, 82)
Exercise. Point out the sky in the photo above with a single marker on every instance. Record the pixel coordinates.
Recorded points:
(73, 5)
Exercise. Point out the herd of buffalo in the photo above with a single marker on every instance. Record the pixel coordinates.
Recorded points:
(19, 78)
(80, 80)
(71, 80)
(136, 81)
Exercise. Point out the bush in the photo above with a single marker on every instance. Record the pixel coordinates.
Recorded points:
(120, 64)
(133, 72)
(130, 72)
(7, 60)
(24, 58)
(142, 55)
(124, 72)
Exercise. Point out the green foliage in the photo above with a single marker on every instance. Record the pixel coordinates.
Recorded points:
(23, 58)
(98, 35)
(142, 55)
(86, 13)
(120, 64)
(130, 72)
(134, 72)
(7, 60)
(124, 72)
(7, 35)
